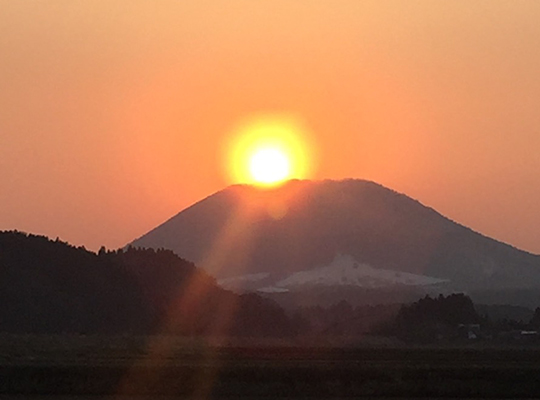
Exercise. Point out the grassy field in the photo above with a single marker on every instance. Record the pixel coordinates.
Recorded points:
(33, 365)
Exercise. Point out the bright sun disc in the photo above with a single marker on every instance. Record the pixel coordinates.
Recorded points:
(267, 150)
(269, 166)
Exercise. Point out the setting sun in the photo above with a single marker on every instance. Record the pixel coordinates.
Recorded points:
(267, 150)
(269, 166)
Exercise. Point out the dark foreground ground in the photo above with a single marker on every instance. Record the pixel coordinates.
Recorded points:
(38, 366)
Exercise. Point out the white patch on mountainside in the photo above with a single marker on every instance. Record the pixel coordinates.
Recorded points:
(235, 282)
(273, 289)
(344, 270)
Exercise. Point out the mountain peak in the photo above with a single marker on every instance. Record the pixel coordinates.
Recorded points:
(302, 225)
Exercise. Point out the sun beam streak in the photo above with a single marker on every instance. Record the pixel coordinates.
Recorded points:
(191, 296)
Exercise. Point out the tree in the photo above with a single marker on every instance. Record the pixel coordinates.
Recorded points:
(429, 318)
(535, 320)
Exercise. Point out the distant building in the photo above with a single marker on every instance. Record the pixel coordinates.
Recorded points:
(469, 331)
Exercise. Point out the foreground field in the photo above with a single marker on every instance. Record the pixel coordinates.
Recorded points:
(192, 369)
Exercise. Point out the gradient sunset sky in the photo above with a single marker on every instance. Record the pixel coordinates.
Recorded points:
(116, 115)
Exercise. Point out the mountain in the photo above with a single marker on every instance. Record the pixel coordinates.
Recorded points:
(307, 235)
(51, 287)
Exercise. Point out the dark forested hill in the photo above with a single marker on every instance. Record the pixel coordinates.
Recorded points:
(51, 287)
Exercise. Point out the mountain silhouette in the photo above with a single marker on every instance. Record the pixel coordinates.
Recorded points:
(51, 287)
(328, 233)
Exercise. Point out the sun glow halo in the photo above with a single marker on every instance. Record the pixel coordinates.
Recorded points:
(267, 151)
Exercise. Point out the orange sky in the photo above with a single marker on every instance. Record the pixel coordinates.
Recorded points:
(114, 114)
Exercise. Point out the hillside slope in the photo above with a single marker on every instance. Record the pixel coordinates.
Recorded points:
(303, 225)
(51, 287)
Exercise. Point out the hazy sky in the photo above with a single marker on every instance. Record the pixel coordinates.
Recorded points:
(114, 114)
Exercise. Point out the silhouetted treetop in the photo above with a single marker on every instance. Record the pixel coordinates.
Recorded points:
(52, 287)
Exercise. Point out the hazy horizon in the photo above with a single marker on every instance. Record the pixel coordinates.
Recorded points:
(115, 116)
